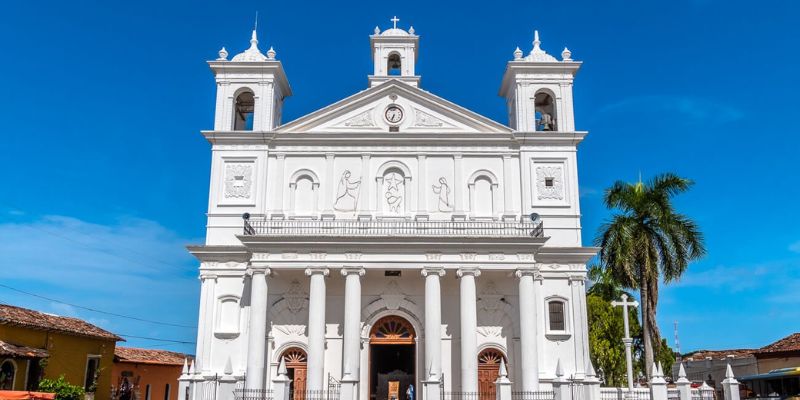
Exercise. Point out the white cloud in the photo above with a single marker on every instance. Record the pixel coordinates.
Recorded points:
(679, 109)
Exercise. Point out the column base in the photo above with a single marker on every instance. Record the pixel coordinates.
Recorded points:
(348, 389)
(432, 390)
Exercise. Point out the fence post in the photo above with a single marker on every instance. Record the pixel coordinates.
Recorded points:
(730, 386)
(658, 386)
(591, 383)
(561, 390)
(184, 381)
(683, 384)
(706, 392)
(280, 384)
(502, 385)
(227, 383)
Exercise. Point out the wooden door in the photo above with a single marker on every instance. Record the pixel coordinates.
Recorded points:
(295, 359)
(488, 371)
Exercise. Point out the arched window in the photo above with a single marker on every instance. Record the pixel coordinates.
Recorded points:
(545, 112)
(8, 371)
(394, 65)
(392, 330)
(482, 187)
(228, 316)
(303, 192)
(244, 108)
(556, 316)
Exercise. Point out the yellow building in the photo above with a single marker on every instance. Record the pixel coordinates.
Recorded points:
(36, 345)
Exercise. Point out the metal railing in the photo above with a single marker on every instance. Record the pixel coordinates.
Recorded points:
(622, 394)
(468, 395)
(252, 394)
(533, 395)
(392, 228)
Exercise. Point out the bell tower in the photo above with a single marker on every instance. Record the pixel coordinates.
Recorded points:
(251, 88)
(394, 53)
(538, 90)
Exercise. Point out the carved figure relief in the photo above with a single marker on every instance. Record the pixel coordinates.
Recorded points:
(443, 190)
(394, 192)
(550, 183)
(295, 298)
(361, 120)
(426, 120)
(238, 180)
(347, 194)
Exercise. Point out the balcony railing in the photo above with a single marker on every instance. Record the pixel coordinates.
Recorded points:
(392, 228)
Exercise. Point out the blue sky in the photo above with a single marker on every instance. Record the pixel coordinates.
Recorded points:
(105, 174)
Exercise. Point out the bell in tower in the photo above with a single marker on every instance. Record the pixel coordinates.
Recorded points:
(394, 52)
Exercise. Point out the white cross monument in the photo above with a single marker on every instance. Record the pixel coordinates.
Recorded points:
(627, 339)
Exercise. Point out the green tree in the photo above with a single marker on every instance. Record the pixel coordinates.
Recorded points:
(606, 330)
(645, 241)
(63, 389)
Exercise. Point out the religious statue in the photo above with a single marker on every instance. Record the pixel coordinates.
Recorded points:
(347, 194)
(443, 190)
(395, 186)
(410, 392)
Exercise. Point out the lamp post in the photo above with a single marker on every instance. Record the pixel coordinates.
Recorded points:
(627, 339)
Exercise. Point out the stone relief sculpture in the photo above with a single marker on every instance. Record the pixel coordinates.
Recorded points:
(426, 120)
(238, 180)
(443, 190)
(394, 184)
(549, 183)
(347, 194)
(361, 120)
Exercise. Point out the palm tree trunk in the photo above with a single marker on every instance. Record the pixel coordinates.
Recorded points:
(646, 337)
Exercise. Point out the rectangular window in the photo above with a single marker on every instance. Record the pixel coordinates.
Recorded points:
(147, 392)
(166, 392)
(556, 311)
(92, 372)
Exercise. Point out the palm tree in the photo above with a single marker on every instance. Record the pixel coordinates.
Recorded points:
(647, 240)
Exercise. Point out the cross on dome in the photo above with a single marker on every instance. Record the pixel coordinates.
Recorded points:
(394, 20)
(394, 30)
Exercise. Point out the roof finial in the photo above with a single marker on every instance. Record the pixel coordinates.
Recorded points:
(394, 20)
(566, 55)
(536, 41)
(271, 53)
(517, 54)
(255, 26)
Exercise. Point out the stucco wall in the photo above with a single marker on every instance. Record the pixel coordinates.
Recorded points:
(157, 376)
(68, 356)
(768, 364)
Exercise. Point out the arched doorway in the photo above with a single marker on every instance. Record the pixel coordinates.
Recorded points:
(296, 368)
(488, 371)
(392, 345)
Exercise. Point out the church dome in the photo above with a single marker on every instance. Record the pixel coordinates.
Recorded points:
(253, 54)
(537, 54)
(395, 32)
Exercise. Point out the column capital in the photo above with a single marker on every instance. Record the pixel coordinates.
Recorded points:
(534, 272)
(468, 271)
(258, 270)
(433, 270)
(353, 270)
(204, 277)
(576, 279)
(315, 271)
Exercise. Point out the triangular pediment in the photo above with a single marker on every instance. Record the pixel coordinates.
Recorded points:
(420, 112)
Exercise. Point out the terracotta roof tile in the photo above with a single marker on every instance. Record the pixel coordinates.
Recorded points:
(12, 350)
(18, 316)
(787, 344)
(718, 354)
(149, 356)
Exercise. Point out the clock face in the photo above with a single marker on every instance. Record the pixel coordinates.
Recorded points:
(394, 114)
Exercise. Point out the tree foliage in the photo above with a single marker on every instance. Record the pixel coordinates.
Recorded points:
(63, 389)
(645, 241)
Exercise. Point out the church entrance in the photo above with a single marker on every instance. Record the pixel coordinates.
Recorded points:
(488, 371)
(392, 350)
(296, 368)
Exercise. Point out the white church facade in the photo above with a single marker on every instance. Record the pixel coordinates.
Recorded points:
(391, 239)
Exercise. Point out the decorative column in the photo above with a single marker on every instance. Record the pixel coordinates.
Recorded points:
(578, 295)
(433, 331)
(422, 183)
(366, 201)
(351, 343)
(329, 186)
(316, 329)
(204, 331)
(528, 315)
(257, 336)
(458, 188)
(508, 205)
(469, 327)
(280, 182)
